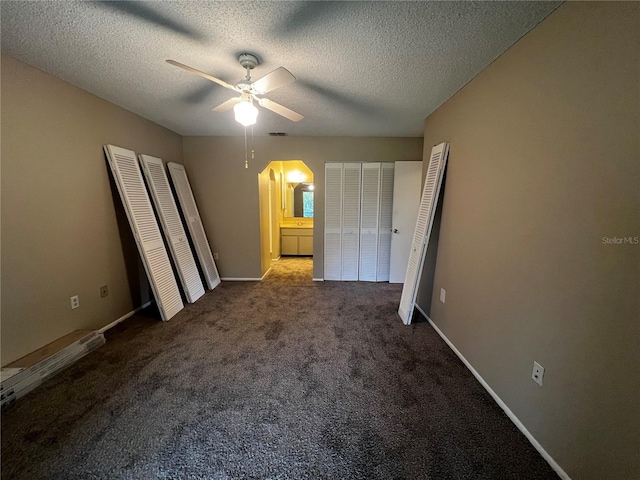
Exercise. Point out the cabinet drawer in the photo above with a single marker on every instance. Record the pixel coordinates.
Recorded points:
(302, 232)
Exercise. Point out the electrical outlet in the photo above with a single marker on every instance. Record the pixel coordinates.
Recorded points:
(538, 373)
(104, 291)
(75, 302)
(443, 293)
(215, 256)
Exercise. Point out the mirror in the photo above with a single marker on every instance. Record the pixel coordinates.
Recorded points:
(296, 180)
(299, 200)
(303, 200)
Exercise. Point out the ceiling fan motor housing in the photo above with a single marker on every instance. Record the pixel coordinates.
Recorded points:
(248, 60)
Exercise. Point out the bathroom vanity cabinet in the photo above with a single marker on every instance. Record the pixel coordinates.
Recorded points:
(296, 241)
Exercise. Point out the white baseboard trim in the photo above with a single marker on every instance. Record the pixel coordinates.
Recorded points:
(246, 279)
(318, 279)
(240, 279)
(561, 473)
(125, 316)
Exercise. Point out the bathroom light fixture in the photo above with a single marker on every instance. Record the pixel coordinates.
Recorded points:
(295, 176)
(245, 112)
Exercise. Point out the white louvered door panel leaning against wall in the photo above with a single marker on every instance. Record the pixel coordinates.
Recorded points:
(369, 219)
(134, 196)
(194, 223)
(387, 173)
(424, 224)
(333, 221)
(175, 235)
(351, 220)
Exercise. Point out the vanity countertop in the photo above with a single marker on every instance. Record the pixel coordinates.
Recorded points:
(295, 225)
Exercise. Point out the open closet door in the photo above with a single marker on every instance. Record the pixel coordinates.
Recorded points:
(174, 233)
(133, 193)
(194, 223)
(426, 214)
(407, 184)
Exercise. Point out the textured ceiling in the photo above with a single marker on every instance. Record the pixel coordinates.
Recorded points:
(362, 68)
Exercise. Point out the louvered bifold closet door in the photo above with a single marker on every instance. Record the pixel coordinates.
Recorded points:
(134, 196)
(369, 218)
(426, 213)
(387, 172)
(332, 221)
(174, 233)
(194, 223)
(350, 220)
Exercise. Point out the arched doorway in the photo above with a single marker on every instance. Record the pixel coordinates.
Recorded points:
(286, 211)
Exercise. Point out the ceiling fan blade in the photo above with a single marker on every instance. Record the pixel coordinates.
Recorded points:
(202, 74)
(276, 79)
(228, 105)
(280, 110)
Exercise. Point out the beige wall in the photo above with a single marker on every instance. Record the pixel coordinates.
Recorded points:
(544, 162)
(228, 194)
(63, 231)
(263, 189)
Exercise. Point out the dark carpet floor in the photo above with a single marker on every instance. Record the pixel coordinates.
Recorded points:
(280, 379)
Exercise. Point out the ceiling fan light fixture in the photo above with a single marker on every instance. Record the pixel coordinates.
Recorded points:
(246, 113)
(296, 176)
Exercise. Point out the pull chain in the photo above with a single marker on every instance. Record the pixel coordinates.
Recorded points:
(252, 150)
(246, 153)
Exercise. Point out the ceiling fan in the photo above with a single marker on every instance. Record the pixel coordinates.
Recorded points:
(243, 107)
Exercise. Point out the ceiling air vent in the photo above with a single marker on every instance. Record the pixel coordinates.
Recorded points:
(277, 134)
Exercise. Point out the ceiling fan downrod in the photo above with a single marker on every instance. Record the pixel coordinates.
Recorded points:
(248, 62)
